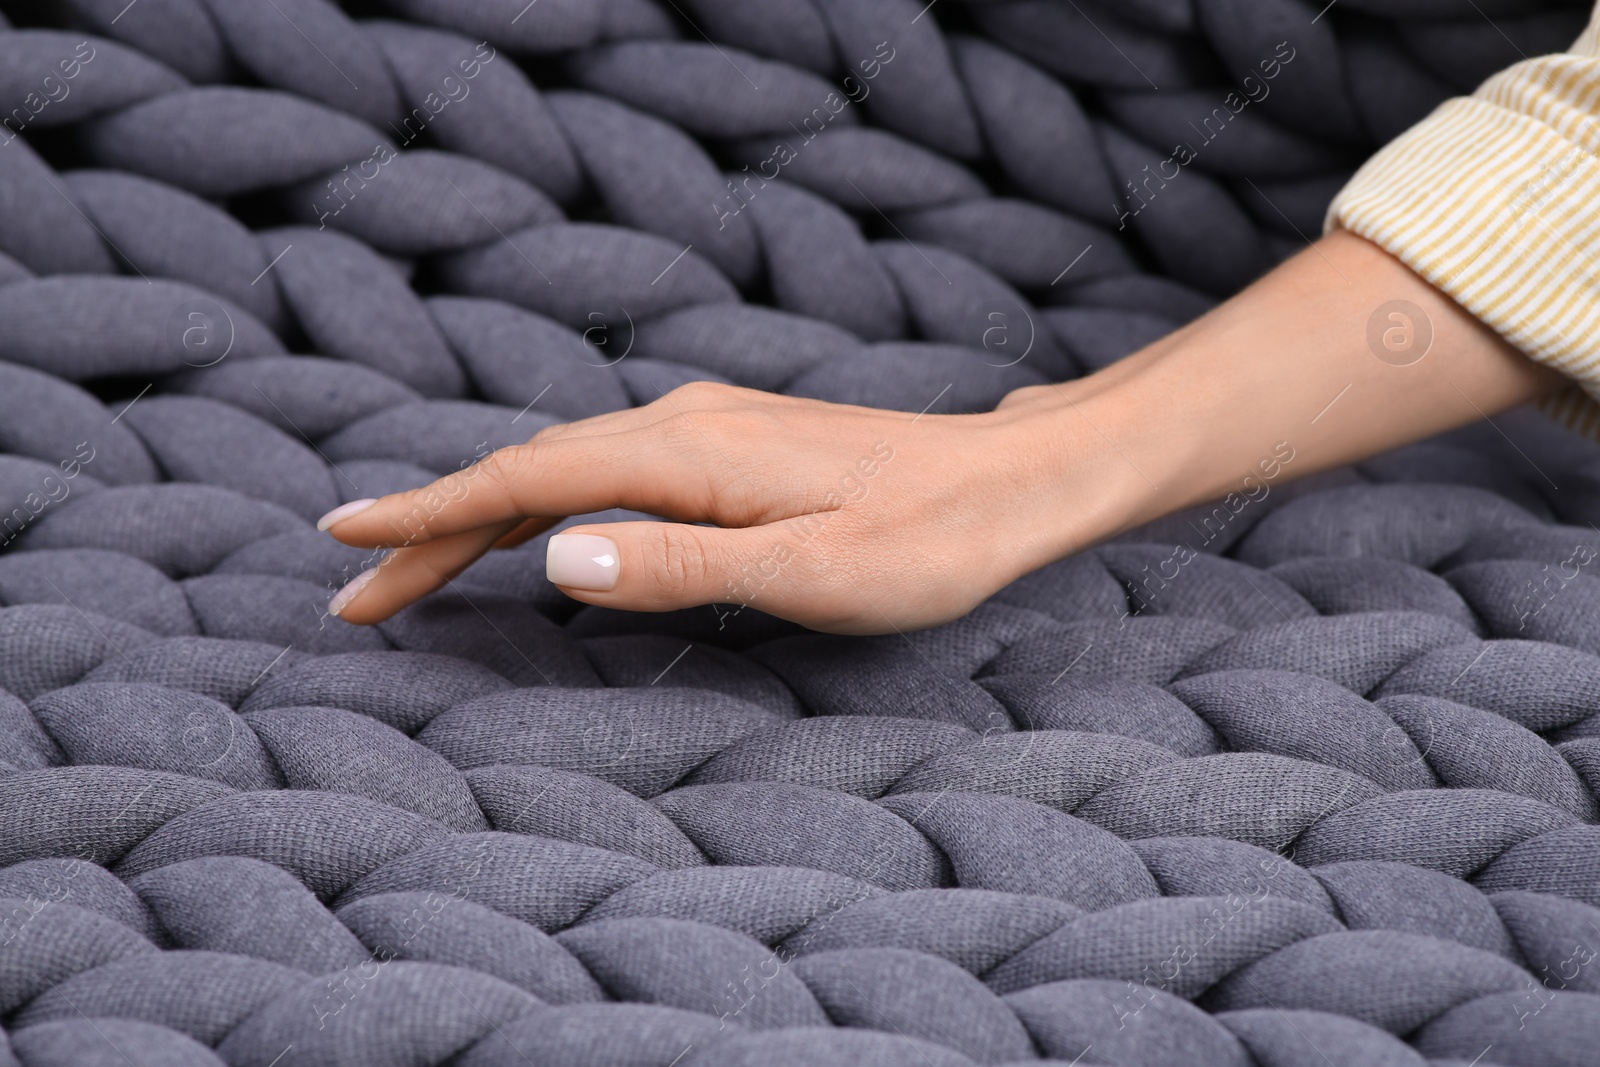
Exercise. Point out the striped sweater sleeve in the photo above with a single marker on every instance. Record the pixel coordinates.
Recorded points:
(1495, 200)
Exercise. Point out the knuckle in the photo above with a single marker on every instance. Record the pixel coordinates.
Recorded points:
(1027, 394)
(421, 564)
(682, 564)
(550, 433)
(730, 424)
(701, 393)
(504, 467)
(721, 433)
(409, 522)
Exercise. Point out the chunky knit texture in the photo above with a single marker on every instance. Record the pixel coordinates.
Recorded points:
(1311, 775)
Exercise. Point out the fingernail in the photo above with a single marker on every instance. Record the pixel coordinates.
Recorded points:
(582, 561)
(344, 511)
(352, 589)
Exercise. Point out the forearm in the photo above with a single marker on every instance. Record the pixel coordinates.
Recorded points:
(856, 520)
(1286, 363)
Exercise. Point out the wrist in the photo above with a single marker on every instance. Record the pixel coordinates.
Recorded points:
(1184, 439)
(1123, 453)
(1081, 469)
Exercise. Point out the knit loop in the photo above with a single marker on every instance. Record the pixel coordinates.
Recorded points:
(1311, 763)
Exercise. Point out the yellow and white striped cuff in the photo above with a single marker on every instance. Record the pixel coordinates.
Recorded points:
(1495, 200)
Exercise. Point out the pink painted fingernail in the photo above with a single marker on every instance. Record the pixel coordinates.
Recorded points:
(352, 589)
(582, 561)
(344, 511)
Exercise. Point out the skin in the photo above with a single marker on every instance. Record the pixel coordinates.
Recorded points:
(854, 520)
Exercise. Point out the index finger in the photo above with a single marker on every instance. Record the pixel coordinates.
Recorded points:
(549, 479)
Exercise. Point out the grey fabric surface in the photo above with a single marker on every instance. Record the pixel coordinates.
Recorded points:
(1322, 788)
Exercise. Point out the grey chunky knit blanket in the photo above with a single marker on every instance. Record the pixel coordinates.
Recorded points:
(1308, 776)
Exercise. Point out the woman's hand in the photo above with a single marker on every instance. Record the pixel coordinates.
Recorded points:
(841, 518)
(855, 520)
